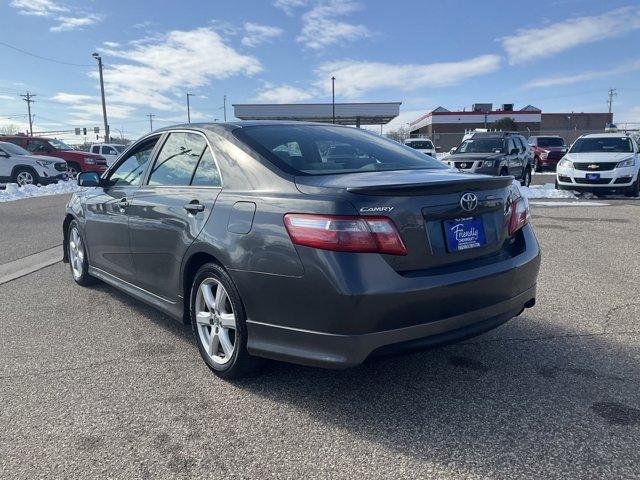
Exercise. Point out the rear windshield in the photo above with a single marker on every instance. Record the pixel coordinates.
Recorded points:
(419, 144)
(329, 149)
(550, 142)
(481, 145)
(602, 144)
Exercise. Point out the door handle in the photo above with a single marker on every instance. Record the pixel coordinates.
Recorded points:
(194, 207)
(123, 204)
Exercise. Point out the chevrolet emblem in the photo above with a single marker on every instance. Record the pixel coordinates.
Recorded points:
(593, 166)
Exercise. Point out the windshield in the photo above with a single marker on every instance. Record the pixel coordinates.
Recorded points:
(12, 149)
(423, 144)
(322, 150)
(550, 142)
(481, 145)
(58, 145)
(602, 144)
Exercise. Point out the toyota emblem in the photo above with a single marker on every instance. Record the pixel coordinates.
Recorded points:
(469, 202)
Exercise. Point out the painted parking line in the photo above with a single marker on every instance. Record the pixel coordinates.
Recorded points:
(32, 263)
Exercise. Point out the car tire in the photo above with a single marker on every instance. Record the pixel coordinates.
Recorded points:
(634, 190)
(78, 258)
(73, 169)
(25, 176)
(526, 178)
(536, 165)
(504, 172)
(219, 324)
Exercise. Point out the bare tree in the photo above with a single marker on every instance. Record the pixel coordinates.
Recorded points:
(9, 129)
(399, 135)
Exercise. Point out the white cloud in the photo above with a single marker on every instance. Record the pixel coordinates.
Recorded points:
(165, 66)
(75, 23)
(255, 34)
(288, 6)
(355, 78)
(88, 108)
(39, 8)
(321, 26)
(533, 43)
(284, 94)
(584, 76)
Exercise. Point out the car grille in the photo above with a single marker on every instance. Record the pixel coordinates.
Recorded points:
(599, 181)
(61, 166)
(464, 165)
(595, 167)
(555, 155)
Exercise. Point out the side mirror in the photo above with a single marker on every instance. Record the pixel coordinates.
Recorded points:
(89, 179)
(514, 151)
(451, 152)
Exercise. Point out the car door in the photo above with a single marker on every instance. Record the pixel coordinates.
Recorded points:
(515, 158)
(170, 210)
(106, 218)
(527, 156)
(6, 165)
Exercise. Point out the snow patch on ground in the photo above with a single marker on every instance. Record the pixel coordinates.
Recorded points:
(548, 190)
(14, 192)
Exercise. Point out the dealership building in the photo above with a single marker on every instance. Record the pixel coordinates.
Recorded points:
(446, 127)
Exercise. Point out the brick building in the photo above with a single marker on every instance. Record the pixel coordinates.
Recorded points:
(447, 127)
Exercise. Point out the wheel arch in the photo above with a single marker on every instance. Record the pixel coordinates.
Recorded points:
(18, 167)
(190, 267)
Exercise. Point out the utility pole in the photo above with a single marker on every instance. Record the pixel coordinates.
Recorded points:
(189, 107)
(224, 106)
(28, 98)
(613, 92)
(150, 115)
(104, 103)
(333, 99)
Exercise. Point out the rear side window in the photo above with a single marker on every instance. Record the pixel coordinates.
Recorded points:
(177, 159)
(95, 149)
(108, 151)
(206, 174)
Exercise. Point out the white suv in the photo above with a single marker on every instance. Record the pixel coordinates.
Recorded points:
(601, 163)
(423, 145)
(110, 151)
(19, 166)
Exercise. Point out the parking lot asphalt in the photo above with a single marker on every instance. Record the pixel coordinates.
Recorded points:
(95, 384)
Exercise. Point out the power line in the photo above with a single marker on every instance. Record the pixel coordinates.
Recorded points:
(150, 115)
(44, 58)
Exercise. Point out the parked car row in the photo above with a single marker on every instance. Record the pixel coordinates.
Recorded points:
(18, 165)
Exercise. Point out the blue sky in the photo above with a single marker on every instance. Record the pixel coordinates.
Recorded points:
(559, 55)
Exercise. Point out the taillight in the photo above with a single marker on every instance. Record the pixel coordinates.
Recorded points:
(520, 214)
(345, 233)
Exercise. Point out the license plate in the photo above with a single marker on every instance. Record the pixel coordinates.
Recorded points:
(593, 176)
(464, 233)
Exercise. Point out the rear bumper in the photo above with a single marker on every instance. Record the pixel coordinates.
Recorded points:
(340, 313)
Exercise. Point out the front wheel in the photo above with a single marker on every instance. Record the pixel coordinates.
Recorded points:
(219, 324)
(78, 256)
(73, 169)
(24, 176)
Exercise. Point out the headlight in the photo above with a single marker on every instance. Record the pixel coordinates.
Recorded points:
(487, 163)
(45, 163)
(627, 162)
(89, 160)
(565, 163)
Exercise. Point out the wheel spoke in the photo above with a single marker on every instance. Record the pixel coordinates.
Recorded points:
(203, 318)
(227, 346)
(209, 299)
(214, 343)
(228, 320)
(221, 297)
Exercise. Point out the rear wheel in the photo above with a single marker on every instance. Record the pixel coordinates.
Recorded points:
(526, 178)
(78, 256)
(504, 172)
(73, 169)
(219, 324)
(25, 176)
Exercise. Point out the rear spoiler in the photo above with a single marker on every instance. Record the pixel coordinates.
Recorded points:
(435, 188)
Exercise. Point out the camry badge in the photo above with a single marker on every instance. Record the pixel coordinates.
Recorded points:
(376, 209)
(469, 202)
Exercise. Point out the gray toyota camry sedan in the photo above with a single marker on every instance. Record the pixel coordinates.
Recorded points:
(309, 243)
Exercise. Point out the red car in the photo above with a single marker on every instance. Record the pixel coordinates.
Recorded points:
(547, 151)
(77, 161)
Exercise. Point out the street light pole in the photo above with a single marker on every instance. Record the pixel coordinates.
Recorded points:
(224, 106)
(189, 107)
(104, 103)
(150, 115)
(333, 99)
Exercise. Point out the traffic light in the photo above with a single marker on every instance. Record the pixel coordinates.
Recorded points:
(96, 129)
(77, 131)
(84, 131)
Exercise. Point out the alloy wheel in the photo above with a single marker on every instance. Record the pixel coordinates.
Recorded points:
(216, 321)
(72, 171)
(25, 178)
(76, 253)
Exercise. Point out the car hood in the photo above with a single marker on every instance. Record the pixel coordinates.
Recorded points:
(77, 154)
(552, 149)
(33, 158)
(470, 157)
(597, 157)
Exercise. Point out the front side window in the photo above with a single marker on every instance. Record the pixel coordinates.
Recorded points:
(38, 146)
(177, 159)
(95, 149)
(58, 145)
(329, 149)
(129, 171)
(602, 145)
(108, 151)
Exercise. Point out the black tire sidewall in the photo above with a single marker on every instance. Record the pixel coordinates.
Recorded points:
(240, 360)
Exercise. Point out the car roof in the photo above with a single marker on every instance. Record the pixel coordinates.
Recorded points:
(605, 135)
(230, 126)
